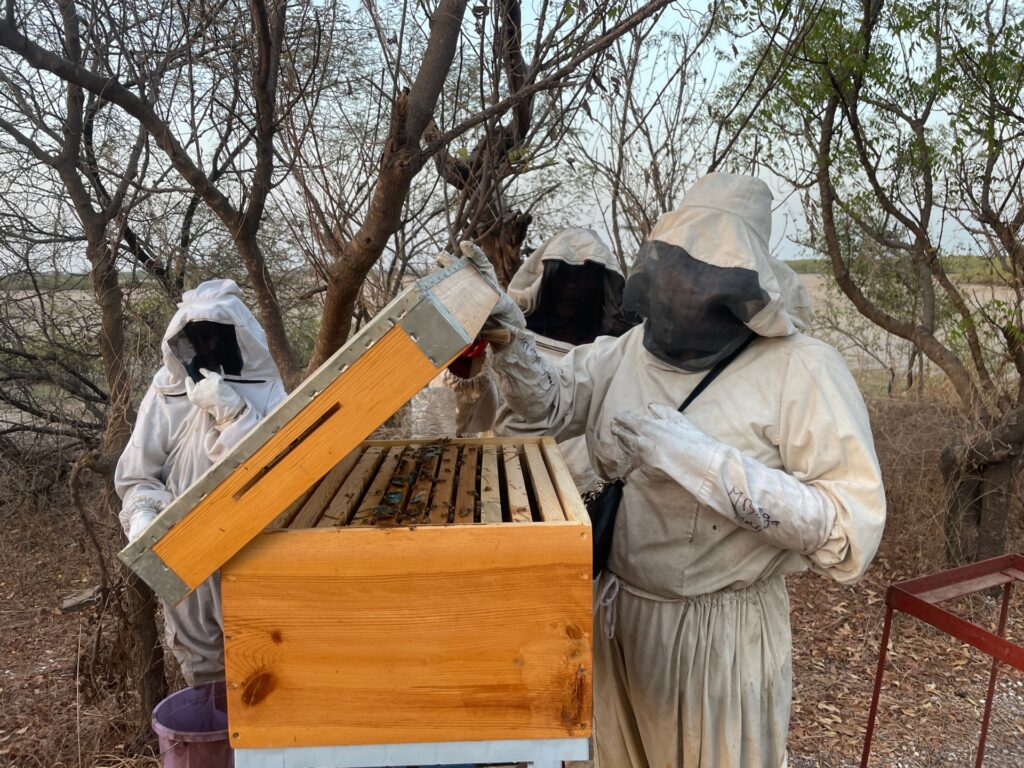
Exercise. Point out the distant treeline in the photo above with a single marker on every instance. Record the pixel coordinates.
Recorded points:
(962, 269)
(46, 281)
(966, 269)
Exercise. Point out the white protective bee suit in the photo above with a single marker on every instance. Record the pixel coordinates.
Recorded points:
(772, 470)
(181, 431)
(479, 398)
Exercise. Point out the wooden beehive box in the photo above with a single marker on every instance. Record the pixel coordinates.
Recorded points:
(388, 592)
(423, 592)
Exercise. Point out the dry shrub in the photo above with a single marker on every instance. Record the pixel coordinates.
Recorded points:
(910, 434)
(62, 697)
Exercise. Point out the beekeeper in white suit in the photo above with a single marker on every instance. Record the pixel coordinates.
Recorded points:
(217, 381)
(771, 470)
(570, 292)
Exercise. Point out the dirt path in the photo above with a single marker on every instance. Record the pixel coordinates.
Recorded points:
(930, 710)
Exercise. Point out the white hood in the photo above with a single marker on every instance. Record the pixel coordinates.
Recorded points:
(574, 246)
(725, 220)
(217, 301)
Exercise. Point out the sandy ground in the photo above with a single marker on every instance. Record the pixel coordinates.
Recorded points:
(52, 716)
(930, 711)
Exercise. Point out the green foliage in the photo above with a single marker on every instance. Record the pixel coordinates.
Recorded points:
(924, 157)
(808, 266)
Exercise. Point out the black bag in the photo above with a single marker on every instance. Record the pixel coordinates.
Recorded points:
(604, 506)
(602, 509)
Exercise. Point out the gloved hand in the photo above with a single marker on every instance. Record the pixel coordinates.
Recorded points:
(140, 522)
(640, 437)
(770, 502)
(146, 509)
(215, 396)
(506, 313)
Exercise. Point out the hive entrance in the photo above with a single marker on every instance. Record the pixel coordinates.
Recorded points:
(455, 482)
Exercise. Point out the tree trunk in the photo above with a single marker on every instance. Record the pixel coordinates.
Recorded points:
(146, 657)
(271, 317)
(979, 503)
(354, 259)
(997, 499)
(145, 672)
(503, 244)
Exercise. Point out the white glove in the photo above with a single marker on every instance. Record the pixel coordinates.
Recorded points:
(790, 514)
(527, 380)
(145, 508)
(215, 396)
(140, 521)
(506, 313)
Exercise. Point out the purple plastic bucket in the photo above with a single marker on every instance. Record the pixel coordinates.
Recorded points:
(192, 728)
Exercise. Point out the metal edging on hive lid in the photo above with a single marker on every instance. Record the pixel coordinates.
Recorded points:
(424, 318)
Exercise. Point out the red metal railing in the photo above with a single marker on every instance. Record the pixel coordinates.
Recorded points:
(920, 597)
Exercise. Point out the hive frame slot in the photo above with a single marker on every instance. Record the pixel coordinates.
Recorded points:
(284, 519)
(490, 485)
(520, 509)
(442, 482)
(348, 498)
(419, 502)
(548, 503)
(467, 494)
(442, 495)
(283, 454)
(372, 502)
(317, 501)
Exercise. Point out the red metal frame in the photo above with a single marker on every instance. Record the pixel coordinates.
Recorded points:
(920, 597)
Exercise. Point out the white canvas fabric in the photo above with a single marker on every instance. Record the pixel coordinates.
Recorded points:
(478, 399)
(692, 638)
(175, 442)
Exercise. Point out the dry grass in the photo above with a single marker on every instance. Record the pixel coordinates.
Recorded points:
(930, 708)
(929, 715)
(56, 708)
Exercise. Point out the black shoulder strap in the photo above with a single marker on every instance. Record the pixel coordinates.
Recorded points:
(720, 366)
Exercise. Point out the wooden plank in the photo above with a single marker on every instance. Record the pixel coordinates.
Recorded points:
(490, 486)
(322, 496)
(385, 376)
(373, 501)
(346, 500)
(441, 506)
(399, 490)
(466, 495)
(467, 297)
(425, 634)
(543, 490)
(79, 601)
(419, 502)
(568, 495)
(515, 485)
(463, 441)
(283, 519)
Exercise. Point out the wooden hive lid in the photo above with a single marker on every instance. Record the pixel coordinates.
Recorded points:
(394, 356)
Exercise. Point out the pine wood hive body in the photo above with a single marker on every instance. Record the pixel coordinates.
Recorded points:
(388, 592)
(421, 592)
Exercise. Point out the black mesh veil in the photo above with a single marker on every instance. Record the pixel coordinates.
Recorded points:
(214, 347)
(695, 312)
